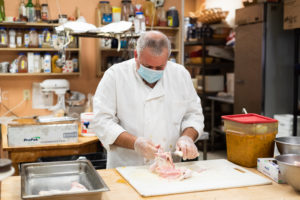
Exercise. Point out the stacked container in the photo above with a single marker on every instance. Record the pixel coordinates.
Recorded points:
(248, 137)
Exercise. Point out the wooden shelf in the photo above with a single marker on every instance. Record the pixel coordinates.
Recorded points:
(212, 65)
(206, 41)
(25, 24)
(40, 74)
(114, 49)
(36, 49)
(162, 28)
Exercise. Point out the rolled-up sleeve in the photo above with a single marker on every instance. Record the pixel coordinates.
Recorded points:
(105, 122)
(194, 115)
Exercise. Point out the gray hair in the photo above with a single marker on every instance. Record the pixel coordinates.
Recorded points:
(157, 44)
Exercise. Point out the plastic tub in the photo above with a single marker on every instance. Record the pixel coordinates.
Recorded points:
(248, 137)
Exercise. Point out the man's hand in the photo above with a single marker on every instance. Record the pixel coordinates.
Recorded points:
(145, 147)
(187, 146)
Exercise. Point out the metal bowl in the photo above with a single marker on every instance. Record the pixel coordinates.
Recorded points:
(289, 169)
(288, 145)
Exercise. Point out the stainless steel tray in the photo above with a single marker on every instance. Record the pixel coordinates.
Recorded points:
(36, 177)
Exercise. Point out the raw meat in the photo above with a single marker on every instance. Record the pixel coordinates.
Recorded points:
(163, 165)
(75, 187)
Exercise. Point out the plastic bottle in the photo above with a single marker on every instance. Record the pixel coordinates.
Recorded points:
(38, 8)
(19, 39)
(37, 62)
(22, 11)
(149, 13)
(3, 37)
(105, 12)
(30, 13)
(139, 23)
(12, 38)
(2, 11)
(40, 39)
(116, 14)
(161, 16)
(47, 38)
(47, 63)
(173, 19)
(26, 38)
(33, 38)
(75, 65)
(22, 63)
(54, 67)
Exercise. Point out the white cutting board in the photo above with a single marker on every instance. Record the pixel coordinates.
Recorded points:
(218, 174)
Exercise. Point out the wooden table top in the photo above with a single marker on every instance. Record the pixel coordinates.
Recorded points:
(120, 189)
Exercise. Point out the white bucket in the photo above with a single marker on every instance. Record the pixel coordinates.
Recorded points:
(86, 119)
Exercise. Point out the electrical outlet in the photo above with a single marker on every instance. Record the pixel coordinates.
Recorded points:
(26, 95)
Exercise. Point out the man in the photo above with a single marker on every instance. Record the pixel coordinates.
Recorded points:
(146, 103)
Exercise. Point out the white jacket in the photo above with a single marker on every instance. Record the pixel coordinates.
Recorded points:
(123, 102)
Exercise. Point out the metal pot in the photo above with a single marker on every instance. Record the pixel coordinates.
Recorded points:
(290, 169)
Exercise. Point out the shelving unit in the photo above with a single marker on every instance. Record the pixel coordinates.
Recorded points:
(103, 53)
(208, 98)
(8, 54)
(296, 83)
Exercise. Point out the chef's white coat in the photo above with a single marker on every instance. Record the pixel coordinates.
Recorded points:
(123, 102)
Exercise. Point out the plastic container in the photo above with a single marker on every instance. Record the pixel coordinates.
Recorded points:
(47, 38)
(116, 14)
(173, 18)
(3, 38)
(19, 39)
(139, 23)
(22, 63)
(248, 137)
(105, 12)
(85, 119)
(33, 38)
(55, 68)
(26, 38)
(161, 16)
(47, 63)
(149, 13)
(37, 62)
(127, 11)
(12, 38)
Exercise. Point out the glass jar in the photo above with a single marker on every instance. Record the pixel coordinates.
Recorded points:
(33, 38)
(12, 38)
(62, 19)
(3, 38)
(44, 12)
(105, 12)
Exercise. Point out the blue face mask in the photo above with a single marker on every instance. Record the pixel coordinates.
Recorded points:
(150, 75)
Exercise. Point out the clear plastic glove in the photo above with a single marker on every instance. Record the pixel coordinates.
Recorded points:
(188, 147)
(145, 147)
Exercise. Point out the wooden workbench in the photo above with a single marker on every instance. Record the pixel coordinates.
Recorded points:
(32, 153)
(120, 189)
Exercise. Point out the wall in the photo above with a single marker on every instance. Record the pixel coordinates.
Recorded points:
(12, 87)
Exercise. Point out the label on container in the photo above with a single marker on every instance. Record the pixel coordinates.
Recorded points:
(170, 21)
(48, 37)
(2, 40)
(41, 40)
(106, 18)
(22, 64)
(47, 65)
(26, 40)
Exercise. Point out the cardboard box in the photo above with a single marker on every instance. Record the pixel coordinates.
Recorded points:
(291, 14)
(269, 167)
(249, 14)
(41, 134)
